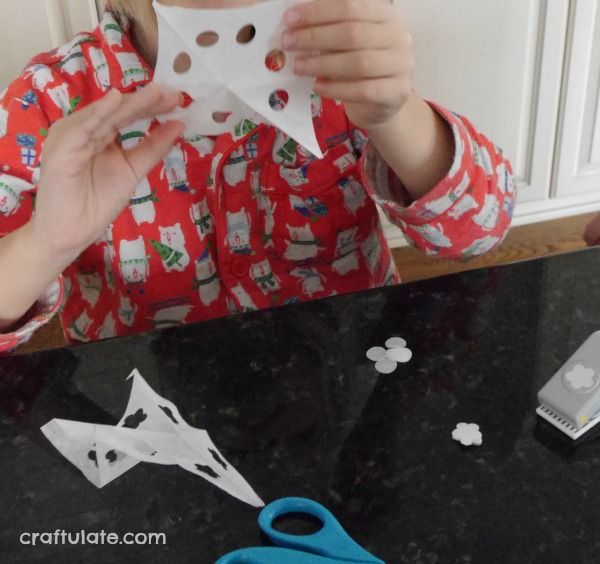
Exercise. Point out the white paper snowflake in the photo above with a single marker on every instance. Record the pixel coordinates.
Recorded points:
(467, 434)
(228, 77)
(581, 378)
(386, 360)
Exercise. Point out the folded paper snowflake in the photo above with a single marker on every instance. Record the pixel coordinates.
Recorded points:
(231, 63)
(151, 430)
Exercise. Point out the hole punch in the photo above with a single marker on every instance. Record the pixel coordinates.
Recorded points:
(570, 400)
(182, 63)
(275, 60)
(207, 39)
(278, 100)
(246, 34)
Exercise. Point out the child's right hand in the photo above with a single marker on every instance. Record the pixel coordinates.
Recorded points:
(87, 178)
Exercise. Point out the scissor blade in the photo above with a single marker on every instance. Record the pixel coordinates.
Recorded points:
(271, 555)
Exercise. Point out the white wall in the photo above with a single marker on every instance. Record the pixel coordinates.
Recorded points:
(29, 27)
(24, 32)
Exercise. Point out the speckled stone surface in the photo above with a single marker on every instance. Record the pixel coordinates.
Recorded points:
(291, 400)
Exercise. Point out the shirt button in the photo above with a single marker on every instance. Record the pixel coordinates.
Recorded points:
(240, 267)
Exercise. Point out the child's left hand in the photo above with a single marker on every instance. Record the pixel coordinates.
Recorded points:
(359, 50)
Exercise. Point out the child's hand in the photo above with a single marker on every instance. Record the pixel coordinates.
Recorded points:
(86, 178)
(361, 52)
(591, 234)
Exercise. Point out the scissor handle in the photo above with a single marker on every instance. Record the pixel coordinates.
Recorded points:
(331, 540)
(274, 555)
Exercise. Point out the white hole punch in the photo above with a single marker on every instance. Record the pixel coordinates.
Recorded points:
(570, 400)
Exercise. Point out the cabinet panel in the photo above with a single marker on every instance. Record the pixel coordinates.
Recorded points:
(596, 142)
(80, 15)
(578, 152)
(499, 63)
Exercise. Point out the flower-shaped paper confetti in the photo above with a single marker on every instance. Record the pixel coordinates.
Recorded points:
(467, 434)
(386, 360)
(581, 379)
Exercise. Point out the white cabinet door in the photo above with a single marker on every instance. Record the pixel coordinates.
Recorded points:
(76, 15)
(29, 27)
(499, 64)
(578, 153)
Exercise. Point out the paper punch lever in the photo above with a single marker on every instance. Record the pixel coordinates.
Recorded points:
(570, 400)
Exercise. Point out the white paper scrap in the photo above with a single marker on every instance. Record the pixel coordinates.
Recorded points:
(468, 434)
(376, 353)
(210, 55)
(386, 359)
(385, 366)
(151, 430)
(395, 342)
(399, 354)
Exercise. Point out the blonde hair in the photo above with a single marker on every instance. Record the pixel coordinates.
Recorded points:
(139, 10)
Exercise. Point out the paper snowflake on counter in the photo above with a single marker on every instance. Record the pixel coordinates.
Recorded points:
(467, 434)
(386, 359)
(151, 430)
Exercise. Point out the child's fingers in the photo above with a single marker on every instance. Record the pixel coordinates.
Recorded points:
(94, 114)
(76, 130)
(148, 102)
(329, 11)
(341, 36)
(145, 156)
(100, 127)
(378, 91)
(351, 65)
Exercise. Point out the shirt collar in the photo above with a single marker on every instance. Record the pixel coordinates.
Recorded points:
(127, 68)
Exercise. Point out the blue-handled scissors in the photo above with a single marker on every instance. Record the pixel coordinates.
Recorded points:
(331, 544)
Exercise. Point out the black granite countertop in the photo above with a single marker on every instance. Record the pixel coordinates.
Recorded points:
(291, 400)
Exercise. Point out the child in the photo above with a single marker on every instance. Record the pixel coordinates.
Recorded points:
(137, 227)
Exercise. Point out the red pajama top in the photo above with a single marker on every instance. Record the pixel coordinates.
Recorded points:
(236, 222)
